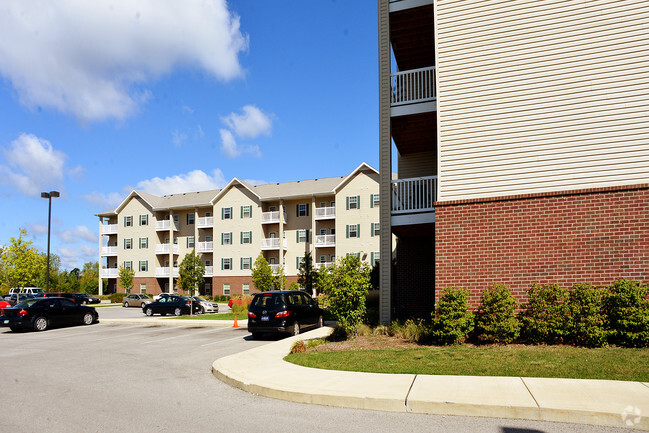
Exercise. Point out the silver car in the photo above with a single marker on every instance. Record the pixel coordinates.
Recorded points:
(136, 300)
(206, 306)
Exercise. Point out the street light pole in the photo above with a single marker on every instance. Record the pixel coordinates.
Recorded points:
(49, 196)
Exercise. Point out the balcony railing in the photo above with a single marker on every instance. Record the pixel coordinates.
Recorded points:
(164, 225)
(272, 244)
(109, 273)
(415, 85)
(322, 241)
(320, 265)
(271, 217)
(164, 249)
(205, 247)
(209, 271)
(274, 267)
(109, 229)
(325, 213)
(164, 272)
(414, 195)
(109, 251)
(205, 222)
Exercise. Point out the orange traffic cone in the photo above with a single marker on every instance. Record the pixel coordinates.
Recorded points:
(236, 324)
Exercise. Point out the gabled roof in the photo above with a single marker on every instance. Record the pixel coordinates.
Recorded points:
(363, 165)
(234, 181)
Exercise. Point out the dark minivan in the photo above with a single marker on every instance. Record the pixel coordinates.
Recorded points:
(283, 312)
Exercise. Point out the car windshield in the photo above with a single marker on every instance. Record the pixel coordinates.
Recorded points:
(27, 303)
(267, 300)
(199, 299)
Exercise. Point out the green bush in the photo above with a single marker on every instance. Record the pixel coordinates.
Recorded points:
(416, 331)
(116, 298)
(544, 318)
(347, 291)
(338, 334)
(452, 321)
(586, 316)
(294, 286)
(627, 311)
(495, 321)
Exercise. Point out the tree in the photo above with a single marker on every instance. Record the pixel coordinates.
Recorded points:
(279, 279)
(262, 274)
(306, 274)
(347, 290)
(21, 263)
(191, 272)
(89, 279)
(126, 278)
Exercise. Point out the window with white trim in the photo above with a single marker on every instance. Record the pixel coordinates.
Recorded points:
(302, 210)
(226, 238)
(226, 264)
(246, 237)
(246, 263)
(128, 265)
(375, 200)
(226, 289)
(143, 288)
(303, 236)
(190, 218)
(128, 244)
(128, 221)
(353, 230)
(376, 257)
(246, 211)
(376, 229)
(245, 289)
(226, 213)
(144, 220)
(353, 202)
(144, 265)
(144, 243)
(190, 241)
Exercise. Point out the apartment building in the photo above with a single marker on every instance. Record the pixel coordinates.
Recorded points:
(228, 228)
(521, 132)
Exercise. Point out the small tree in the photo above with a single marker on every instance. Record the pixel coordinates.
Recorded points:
(627, 310)
(279, 279)
(496, 321)
(452, 321)
(544, 318)
(347, 291)
(21, 263)
(306, 275)
(191, 272)
(262, 274)
(126, 278)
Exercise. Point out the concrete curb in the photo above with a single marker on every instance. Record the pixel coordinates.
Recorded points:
(263, 371)
(172, 321)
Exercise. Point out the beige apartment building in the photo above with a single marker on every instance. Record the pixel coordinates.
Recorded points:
(521, 130)
(228, 228)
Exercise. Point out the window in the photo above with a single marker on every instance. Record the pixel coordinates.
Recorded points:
(246, 262)
(226, 264)
(144, 265)
(376, 229)
(128, 265)
(208, 238)
(144, 220)
(226, 213)
(245, 288)
(226, 238)
(353, 230)
(144, 243)
(128, 244)
(226, 289)
(176, 219)
(375, 200)
(333, 259)
(323, 259)
(246, 237)
(128, 221)
(272, 261)
(190, 218)
(302, 210)
(208, 263)
(175, 241)
(246, 211)
(354, 254)
(302, 236)
(190, 241)
(376, 257)
(143, 288)
(323, 204)
(353, 202)
(298, 262)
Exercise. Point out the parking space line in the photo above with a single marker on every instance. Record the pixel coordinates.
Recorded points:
(222, 341)
(184, 335)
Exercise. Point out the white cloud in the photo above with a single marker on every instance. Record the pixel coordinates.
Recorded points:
(106, 201)
(76, 256)
(231, 149)
(250, 124)
(78, 233)
(34, 165)
(196, 180)
(91, 58)
(178, 138)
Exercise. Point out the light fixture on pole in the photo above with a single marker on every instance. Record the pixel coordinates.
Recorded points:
(49, 196)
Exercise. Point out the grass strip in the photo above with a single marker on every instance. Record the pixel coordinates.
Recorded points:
(217, 316)
(517, 361)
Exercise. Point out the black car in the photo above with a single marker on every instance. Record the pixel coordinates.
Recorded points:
(283, 312)
(84, 298)
(176, 305)
(42, 313)
(18, 297)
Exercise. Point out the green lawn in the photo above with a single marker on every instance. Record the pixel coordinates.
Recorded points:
(218, 316)
(526, 361)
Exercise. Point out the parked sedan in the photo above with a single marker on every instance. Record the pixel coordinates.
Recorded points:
(40, 314)
(135, 300)
(283, 312)
(84, 298)
(206, 306)
(175, 305)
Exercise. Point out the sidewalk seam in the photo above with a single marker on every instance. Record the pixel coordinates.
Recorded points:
(408, 393)
(538, 406)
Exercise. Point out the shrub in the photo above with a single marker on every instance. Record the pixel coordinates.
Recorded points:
(240, 308)
(294, 286)
(544, 318)
(116, 298)
(452, 321)
(298, 347)
(495, 321)
(363, 330)
(627, 311)
(347, 291)
(338, 334)
(586, 316)
(416, 331)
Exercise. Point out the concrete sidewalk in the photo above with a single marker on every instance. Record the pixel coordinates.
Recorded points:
(263, 371)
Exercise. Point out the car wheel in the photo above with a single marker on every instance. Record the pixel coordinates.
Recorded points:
(178, 311)
(143, 304)
(125, 304)
(202, 310)
(149, 312)
(296, 328)
(320, 322)
(88, 319)
(40, 324)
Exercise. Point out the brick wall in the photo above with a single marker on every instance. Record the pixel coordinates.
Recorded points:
(591, 236)
(414, 276)
(152, 286)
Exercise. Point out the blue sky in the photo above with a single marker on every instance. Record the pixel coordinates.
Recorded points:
(100, 98)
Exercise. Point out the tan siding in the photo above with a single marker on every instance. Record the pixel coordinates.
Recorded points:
(417, 164)
(540, 96)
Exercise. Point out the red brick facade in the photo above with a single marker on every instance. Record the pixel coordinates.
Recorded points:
(593, 236)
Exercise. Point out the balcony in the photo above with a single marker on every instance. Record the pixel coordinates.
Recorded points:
(415, 86)
(205, 247)
(205, 222)
(271, 217)
(414, 195)
(321, 265)
(272, 244)
(324, 241)
(164, 272)
(209, 271)
(165, 225)
(325, 213)
(109, 273)
(109, 251)
(164, 249)
(109, 229)
(274, 267)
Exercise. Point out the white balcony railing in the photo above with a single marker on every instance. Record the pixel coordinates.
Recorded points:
(414, 195)
(272, 244)
(165, 225)
(415, 85)
(209, 271)
(109, 251)
(164, 249)
(274, 267)
(109, 229)
(164, 272)
(205, 247)
(320, 265)
(325, 241)
(271, 217)
(205, 222)
(109, 273)
(325, 213)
